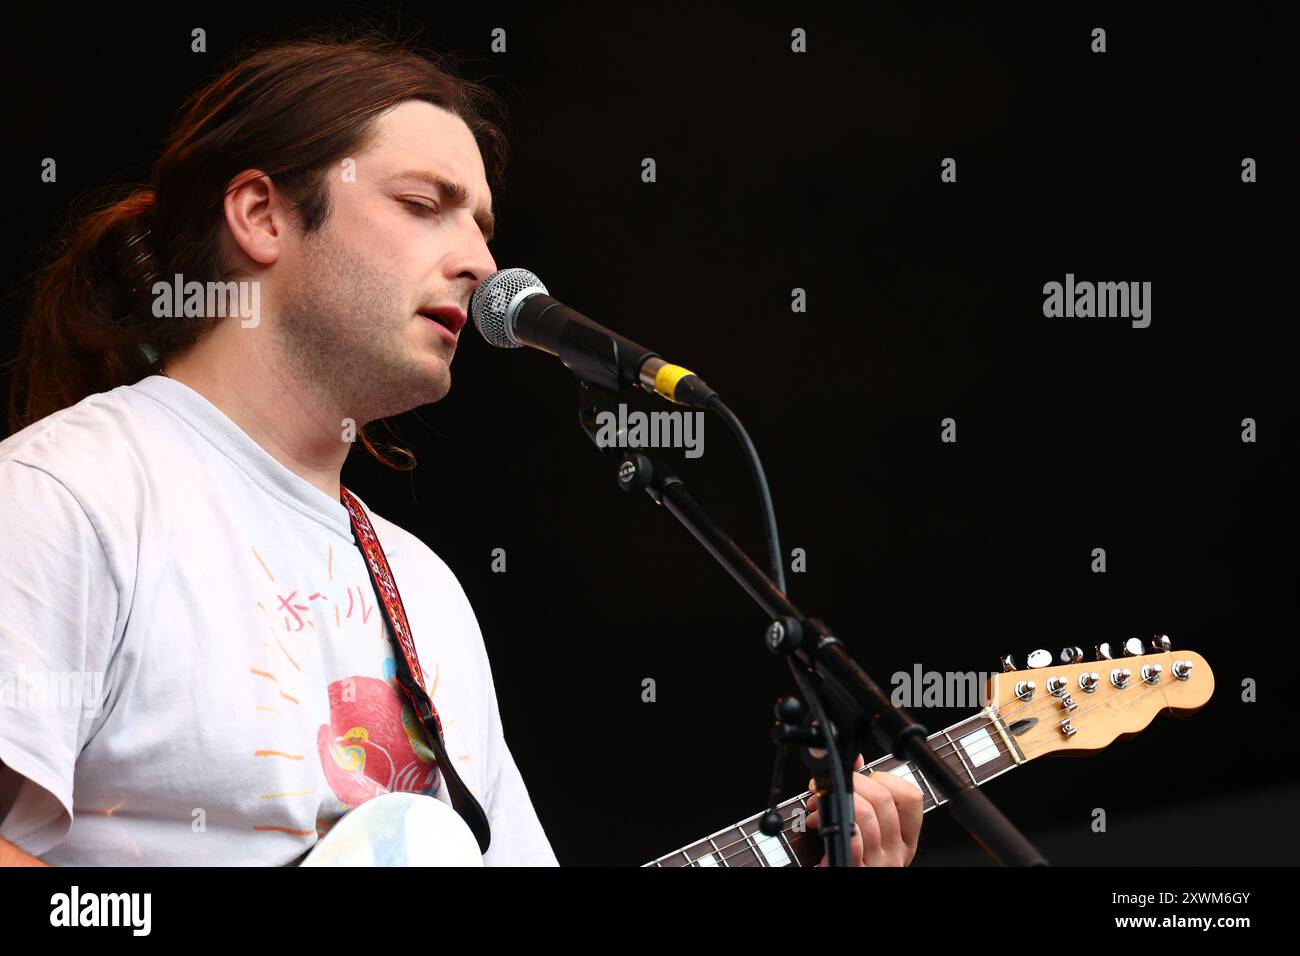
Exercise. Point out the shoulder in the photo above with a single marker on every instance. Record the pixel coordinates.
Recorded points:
(91, 450)
(402, 546)
(92, 442)
(425, 580)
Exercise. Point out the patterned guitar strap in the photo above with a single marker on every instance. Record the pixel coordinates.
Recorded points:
(409, 675)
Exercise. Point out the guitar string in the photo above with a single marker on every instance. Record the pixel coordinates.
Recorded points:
(1047, 702)
(753, 853)
(939, 752)
(943, 755)
(865, 771)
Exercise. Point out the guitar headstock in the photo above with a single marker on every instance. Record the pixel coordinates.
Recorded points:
(1083, 706)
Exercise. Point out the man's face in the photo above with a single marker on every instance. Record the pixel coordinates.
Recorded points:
(394, 244)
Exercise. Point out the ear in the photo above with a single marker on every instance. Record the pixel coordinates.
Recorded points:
(256, 216)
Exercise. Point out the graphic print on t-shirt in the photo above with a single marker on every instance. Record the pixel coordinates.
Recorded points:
(373, 744)
(370, 741)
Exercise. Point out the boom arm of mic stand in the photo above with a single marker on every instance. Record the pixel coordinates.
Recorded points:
(846, 682)
(827, 761)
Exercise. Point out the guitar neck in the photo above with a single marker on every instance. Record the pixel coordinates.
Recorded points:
(977, 749)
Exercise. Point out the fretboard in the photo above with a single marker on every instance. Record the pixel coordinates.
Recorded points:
(976, 749)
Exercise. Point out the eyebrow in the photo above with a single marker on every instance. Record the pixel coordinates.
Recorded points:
(452, 192)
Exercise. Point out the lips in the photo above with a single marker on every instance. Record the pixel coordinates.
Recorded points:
(449, 317)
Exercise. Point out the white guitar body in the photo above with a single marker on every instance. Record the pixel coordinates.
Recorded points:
(398, 829)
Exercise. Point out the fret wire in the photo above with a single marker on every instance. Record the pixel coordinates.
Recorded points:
(804, 803)
(947, 759)
(969, 772)
(753, 849)
(867, 769)
(1010, 766)
(781, 837)
(788, 848)
(717, 852)
(987, 717)
(992, 717)
(917, 770)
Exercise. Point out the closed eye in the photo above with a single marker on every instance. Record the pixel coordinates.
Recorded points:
(420, 208)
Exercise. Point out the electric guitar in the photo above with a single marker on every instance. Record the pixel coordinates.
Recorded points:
(1077, 707)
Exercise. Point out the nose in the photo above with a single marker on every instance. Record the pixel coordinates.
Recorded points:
(473, 260)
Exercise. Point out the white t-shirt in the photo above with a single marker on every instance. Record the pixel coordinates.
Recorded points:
(194, 665)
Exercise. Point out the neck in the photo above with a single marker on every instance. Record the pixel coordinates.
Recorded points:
(296, 424)
(977, 749)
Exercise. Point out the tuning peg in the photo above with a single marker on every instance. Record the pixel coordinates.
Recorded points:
(1102, 651)
(1008, 663)
(1161, 644)
(1039, 658)
(1133, 647)
(1071, 655)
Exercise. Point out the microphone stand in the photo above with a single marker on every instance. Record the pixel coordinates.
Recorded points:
(846, 703)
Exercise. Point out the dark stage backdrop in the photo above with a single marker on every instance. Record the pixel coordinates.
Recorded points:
(823, 171)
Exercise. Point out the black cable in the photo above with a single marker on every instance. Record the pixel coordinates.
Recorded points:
(760, 481)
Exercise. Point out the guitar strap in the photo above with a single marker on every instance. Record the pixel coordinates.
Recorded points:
(409, 675)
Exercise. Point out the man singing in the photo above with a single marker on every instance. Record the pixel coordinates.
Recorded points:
(195, 666)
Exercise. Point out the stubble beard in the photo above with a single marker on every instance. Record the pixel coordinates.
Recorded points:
(344, 337)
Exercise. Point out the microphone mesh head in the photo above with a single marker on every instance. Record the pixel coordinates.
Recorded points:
(496, 302)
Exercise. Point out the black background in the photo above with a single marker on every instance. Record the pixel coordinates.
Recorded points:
(821, 171)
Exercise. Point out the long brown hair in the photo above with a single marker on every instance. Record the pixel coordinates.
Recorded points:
(290, 110)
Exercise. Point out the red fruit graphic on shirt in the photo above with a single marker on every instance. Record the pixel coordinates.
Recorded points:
(373, 744)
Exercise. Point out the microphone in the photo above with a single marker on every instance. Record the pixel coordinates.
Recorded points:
(511, 308)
